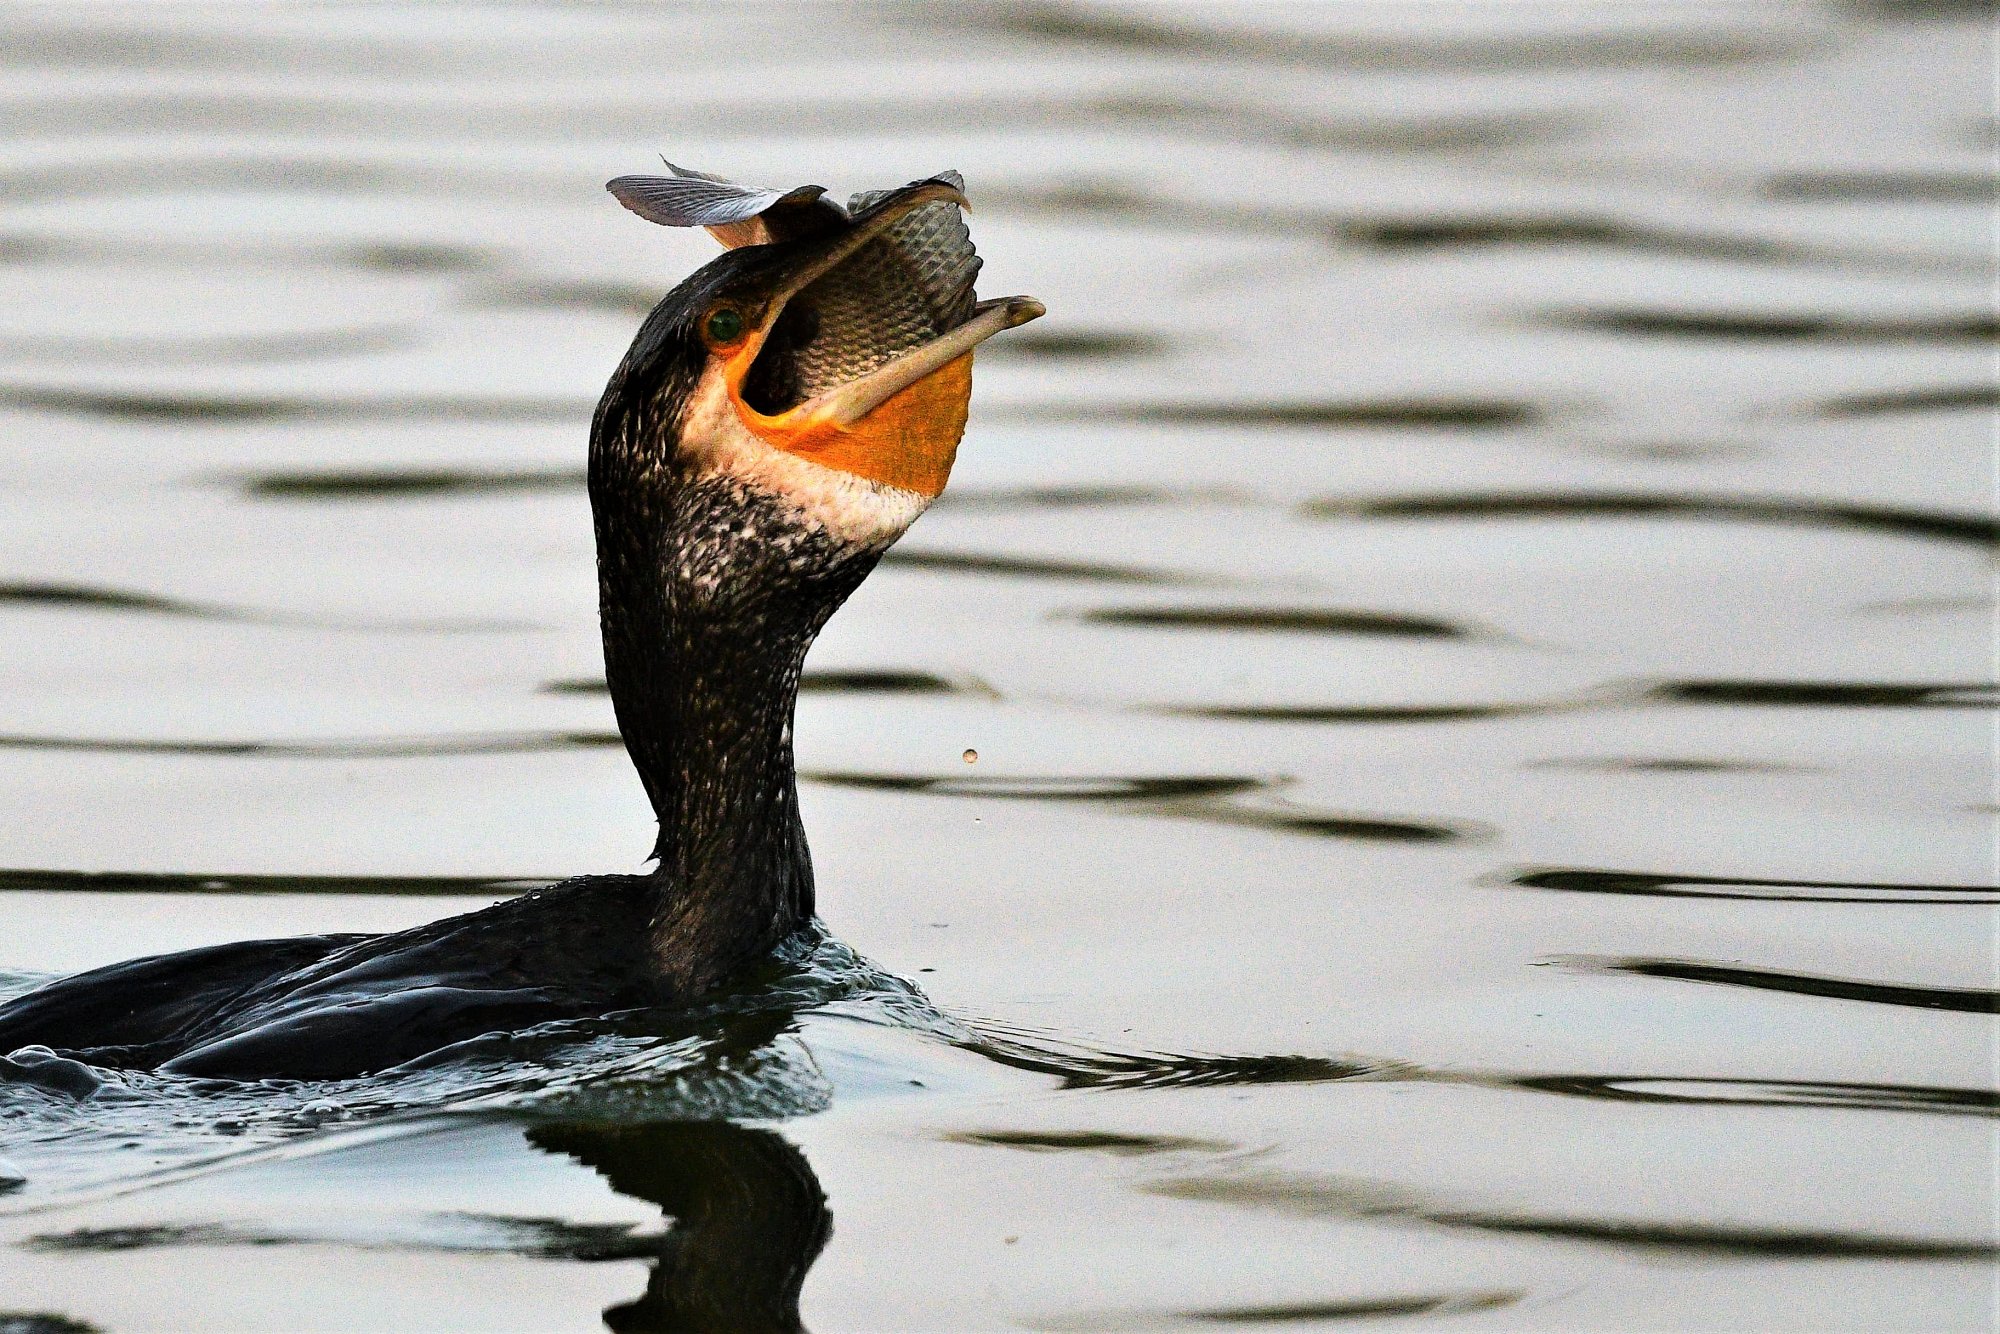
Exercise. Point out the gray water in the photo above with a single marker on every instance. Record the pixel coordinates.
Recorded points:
(1474, 613)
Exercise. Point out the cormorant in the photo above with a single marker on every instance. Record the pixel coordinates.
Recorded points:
(782, 417)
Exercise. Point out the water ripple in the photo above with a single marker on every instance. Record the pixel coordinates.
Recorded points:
(1334, 1197)
(838, 681)
(380, 483)
(1031, 567)
(191, 882)
(1683, 1089)
(1773, 327)
(89, 597)
(1968, 1000)
(1833, 694)
(1205, 798)
(1674, 885)
(1294, 620)
(1944, 398)
(1937, 525)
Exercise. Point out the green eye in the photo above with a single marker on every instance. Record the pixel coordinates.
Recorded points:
(724, 326)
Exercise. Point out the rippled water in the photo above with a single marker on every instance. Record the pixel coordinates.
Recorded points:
(1474, 614)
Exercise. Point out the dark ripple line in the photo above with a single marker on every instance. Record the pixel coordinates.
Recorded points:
(44, 1322)
(1932, 524)
(1085, 496)
(1083, 1066)
(1367, 713)
(1087, 1141)
(1299, 620)
(1372, 1308)
(1410, 413)
(1719, 1239)
(49, 593)
(1664, 765)
(1031, 567)
(1048, 787)
(1078, 1067)
(1968, 1000)
(1834, 694)
(515, 743)
(1448, 231)
(1788, 328)
(1184, 797)
(381, 483)
(1887, 186)
(1682, 1089)
(138, 405)
(1668, 885)
(1081, 345)
(849, 681)
(1948, 398)
(38, 593)
(542, 1238)
(1322, 1197)
(186, 882)
(1075, 23)
(200, 351)
(374, 483)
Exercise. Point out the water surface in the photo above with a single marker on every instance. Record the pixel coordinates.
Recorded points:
(1474, 614)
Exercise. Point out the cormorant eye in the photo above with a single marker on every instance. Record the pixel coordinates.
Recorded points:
(723, 325)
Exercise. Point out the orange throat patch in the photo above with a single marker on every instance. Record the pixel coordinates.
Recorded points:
(909, 441)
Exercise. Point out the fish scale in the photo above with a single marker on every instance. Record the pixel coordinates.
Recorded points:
(892, 296)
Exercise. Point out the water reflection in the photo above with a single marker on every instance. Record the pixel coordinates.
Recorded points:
(749, 1218)
(744, 1213)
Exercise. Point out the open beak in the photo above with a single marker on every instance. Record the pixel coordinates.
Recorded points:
(847, 405)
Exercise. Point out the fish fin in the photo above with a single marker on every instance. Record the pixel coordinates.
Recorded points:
(735, 215)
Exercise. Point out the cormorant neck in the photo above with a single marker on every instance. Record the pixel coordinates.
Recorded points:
(710, 593)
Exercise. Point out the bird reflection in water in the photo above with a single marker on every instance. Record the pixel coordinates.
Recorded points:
(749, 1219)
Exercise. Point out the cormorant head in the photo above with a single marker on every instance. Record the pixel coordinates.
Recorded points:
(824, 360)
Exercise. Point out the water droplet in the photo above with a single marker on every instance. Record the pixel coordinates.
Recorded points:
(971, 756)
